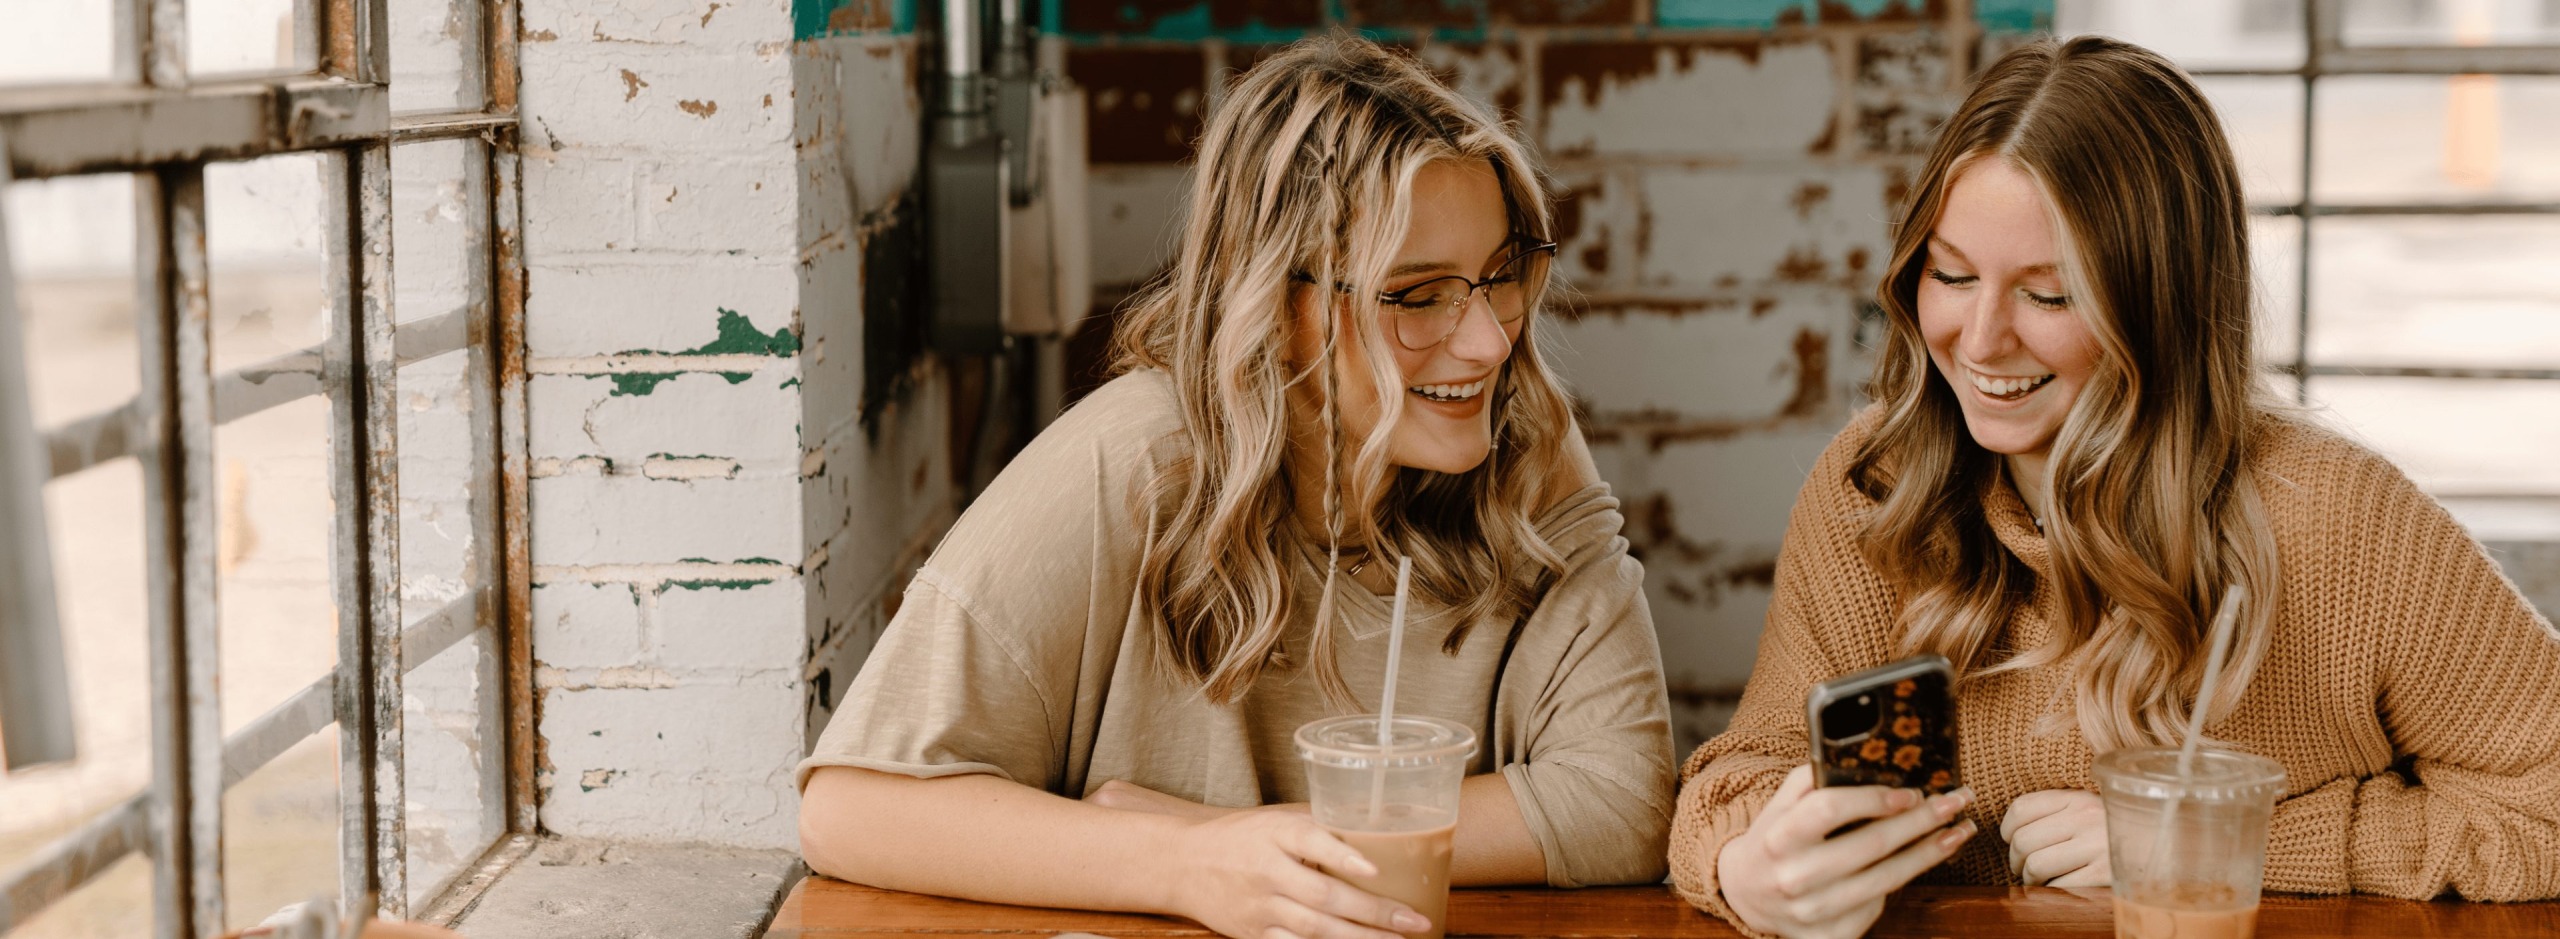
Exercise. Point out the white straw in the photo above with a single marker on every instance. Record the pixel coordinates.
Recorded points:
(2217, 648)
(1387, 698)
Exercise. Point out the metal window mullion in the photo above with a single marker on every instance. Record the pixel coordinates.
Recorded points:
(359, 369)
(179, 531)
(506, 244)
(2322, 34)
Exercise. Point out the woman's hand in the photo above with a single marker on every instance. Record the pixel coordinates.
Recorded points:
(1789, 874)
(2058, 838)
(1251, 875)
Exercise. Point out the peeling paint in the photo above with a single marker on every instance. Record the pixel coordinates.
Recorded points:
(639, 383)
(702, 109)
(631, 84)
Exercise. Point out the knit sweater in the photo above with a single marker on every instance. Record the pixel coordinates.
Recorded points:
(2411, 694)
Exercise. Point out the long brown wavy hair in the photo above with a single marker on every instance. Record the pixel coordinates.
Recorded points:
(2154, 509)
(1305, 173)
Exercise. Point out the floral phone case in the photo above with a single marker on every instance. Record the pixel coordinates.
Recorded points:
(1893, 725)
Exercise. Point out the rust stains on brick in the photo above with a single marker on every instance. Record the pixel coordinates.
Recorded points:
(1267, 14)
(1693, 572)
(631, 84)
(1593, 66)
(1143, 105)
(541, 35)
(1809, 197)
(699, 108)
(1802, 265)
(1813, 374)
(708, 11)
(854, 16)
(1471, 14)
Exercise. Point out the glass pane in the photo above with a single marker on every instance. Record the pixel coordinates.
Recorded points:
(455, 744)
(2454, 436)
(279, 613)
(2275, 251)
(117, 905)
(2452, 22)
(73, 265)
(2469, 291)
(280, 834)
(428, 57)
(228, 36)
(2399, 138)
(58, 41)
(2197, 33)
(2263, 118)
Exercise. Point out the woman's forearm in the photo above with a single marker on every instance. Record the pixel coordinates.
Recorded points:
(1492, 845)
(982, 837)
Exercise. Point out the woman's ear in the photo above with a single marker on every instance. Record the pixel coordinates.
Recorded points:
(1305, 324)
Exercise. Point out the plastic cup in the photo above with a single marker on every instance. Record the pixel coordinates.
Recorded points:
(1396, 805)
(2189, 852)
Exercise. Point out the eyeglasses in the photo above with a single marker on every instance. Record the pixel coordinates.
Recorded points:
(1427, 314)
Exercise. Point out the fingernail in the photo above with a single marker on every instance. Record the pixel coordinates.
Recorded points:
(1901, 799)
(1410, 921)
(1957, 836)
(1361, 866)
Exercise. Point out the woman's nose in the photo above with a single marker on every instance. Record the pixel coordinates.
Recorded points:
(1480, 336)
(1988, 336)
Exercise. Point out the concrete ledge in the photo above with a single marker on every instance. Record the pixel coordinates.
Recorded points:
(573, 889)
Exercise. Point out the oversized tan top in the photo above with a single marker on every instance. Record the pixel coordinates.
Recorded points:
(2411, 694)
(1018, 652)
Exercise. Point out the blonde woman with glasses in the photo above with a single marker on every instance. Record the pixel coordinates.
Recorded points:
(1089, 695)
(2071, 457)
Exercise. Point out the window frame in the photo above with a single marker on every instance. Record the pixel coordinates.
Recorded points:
(340, 111)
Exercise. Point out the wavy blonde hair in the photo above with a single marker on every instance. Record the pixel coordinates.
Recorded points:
(2154, 510)
(1306, 173)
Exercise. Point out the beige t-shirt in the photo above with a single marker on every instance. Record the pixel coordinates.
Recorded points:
(1018, 652)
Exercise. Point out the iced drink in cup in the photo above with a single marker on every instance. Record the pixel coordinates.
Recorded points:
(2190, 849)
(1397, 805)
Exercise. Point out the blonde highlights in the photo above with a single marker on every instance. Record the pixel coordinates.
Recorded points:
(1306, 173)
(2154, 509)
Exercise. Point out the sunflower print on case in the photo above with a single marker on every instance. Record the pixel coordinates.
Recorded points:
(1913, 744)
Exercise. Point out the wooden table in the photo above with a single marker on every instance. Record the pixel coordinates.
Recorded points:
(819, 908)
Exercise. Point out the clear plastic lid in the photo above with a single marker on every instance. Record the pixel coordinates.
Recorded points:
(1352, 741)
(2219, 775)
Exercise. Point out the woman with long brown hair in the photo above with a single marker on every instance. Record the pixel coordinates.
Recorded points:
(2071, 457)
(1088, 696)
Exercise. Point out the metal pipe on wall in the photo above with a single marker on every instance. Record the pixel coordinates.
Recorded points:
(962, 57)
(35, 690)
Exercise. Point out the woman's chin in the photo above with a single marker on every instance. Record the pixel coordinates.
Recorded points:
(1444, 456)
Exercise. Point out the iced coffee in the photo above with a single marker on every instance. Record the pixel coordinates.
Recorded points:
(2188, 845)
(1395, 801)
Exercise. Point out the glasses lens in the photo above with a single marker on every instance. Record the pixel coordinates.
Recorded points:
(1508, 289)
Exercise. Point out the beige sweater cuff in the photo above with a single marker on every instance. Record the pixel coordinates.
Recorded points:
(2307, 840)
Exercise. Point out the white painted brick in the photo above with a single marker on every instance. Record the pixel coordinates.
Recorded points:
(1720, 229)
(657, 99)
(577, 201)
(739, 626)
(706, 761)
(692, 414)
(1729, 361)
(860, 106)
(589, 520)
(605, 309)
(694, 24)
(736, 206)
(1699, 100)
(1136, 217)
(585, 625)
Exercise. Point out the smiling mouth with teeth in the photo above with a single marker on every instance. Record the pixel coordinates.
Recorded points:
(1448, 393)
(2007, 389)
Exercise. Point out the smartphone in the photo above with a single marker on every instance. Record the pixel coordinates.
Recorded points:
(1892, 725)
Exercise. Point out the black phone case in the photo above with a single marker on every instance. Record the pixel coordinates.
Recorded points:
(1912, 746)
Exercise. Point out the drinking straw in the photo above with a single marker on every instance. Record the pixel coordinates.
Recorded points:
(1387, 699)
(2217, 648)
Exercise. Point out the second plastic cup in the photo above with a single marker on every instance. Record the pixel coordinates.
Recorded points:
(1397, 804)
(2189, 852)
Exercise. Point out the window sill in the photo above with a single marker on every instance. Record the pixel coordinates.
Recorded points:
(580, 889)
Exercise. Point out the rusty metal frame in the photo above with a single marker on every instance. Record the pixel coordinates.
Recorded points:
(153, 121)
(2326, 54)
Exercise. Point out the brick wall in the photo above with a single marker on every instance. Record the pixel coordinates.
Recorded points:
(1726, 170)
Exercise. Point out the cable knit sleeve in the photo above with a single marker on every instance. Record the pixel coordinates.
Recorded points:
(1829, 613)
(2467, 688)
